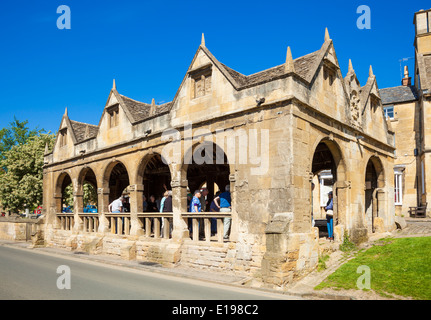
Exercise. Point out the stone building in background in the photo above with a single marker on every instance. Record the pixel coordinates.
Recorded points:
(266, 135)
(409, 109)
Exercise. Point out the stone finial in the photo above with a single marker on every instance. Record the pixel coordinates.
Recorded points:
(203, 40)
(153, 107)
(114, 86)
(87, 132)
(327, 38)
(46, 148)
(289, 66)
(370, 73)
(65, 111)
(350, 66)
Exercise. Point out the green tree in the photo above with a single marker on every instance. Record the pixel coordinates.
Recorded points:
(16, 134)
(89, 195)
(21, 183)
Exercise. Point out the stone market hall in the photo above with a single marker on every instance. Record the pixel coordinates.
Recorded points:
(267, 135)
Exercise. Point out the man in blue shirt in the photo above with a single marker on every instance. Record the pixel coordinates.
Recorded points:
(225, 206)
(195, 204)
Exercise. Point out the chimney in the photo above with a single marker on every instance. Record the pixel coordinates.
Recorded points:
(407, 81)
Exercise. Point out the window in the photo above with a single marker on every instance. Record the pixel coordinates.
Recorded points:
(389, 112)
(328, 77)
(113, 116)
(200, 82)
(63, 137)
(398, 186)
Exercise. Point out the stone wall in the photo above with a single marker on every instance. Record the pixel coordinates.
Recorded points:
(13, 231)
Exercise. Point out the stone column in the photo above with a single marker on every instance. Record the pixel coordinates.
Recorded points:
(136, 206)
(78, 206)
(55, 207)
(179, 205)
(103, 203)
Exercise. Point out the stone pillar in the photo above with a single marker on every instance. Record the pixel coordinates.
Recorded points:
(179, 205)
(234, 214)
(136, 206)
(78, 206)
(103, 203)
(55, 207)
(341, 201)
(277, 264)
(288, 254)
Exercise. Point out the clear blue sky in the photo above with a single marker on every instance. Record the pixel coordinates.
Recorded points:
(147, 47)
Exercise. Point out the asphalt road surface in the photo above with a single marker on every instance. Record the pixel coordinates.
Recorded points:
(26, 274)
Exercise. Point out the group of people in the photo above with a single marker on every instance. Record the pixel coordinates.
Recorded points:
(195, 203)
(221, 203)
(162, 204)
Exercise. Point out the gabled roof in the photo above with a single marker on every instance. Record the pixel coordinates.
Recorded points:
(83, 131)
(305, 67)
(139, 111)
(78, 131)
(398, 94)
(135, 111)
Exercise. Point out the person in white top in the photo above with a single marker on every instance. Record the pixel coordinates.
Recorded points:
(116, 206)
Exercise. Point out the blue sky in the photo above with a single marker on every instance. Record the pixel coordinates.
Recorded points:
(147, 47)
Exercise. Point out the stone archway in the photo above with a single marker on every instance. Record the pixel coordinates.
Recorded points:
(154, 175)
(116, 179)
(87, 188)
(63, 181)
(206, 163)
(374, 192)
(328, 157)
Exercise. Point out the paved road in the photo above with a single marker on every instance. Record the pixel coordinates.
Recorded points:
(25, 274)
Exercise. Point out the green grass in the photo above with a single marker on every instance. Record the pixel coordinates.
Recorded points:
(397, 266)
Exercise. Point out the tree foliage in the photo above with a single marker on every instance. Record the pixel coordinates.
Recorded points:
(16, 134)
(89, 194)
(21, 160)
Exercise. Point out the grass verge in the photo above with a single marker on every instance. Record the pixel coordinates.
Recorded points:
(397, 266)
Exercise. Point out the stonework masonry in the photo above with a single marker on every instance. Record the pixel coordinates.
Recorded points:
(271, 132)
(407, 108)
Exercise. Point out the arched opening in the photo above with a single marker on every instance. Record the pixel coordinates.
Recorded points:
(64, 188)
(328, 169)
(374, 179)
(87, 184)
(118, 183)
(156, 178)
(207, 167)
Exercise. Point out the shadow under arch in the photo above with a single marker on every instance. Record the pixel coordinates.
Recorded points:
(374, 191)
(116, 178)
(206, 162)
(155, 175)
(87, 175)
(63, 181)
(328, 157)
(327, 154)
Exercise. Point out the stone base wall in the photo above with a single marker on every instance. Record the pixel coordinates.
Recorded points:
(228, 256)
(13, 231)
(252, 260)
